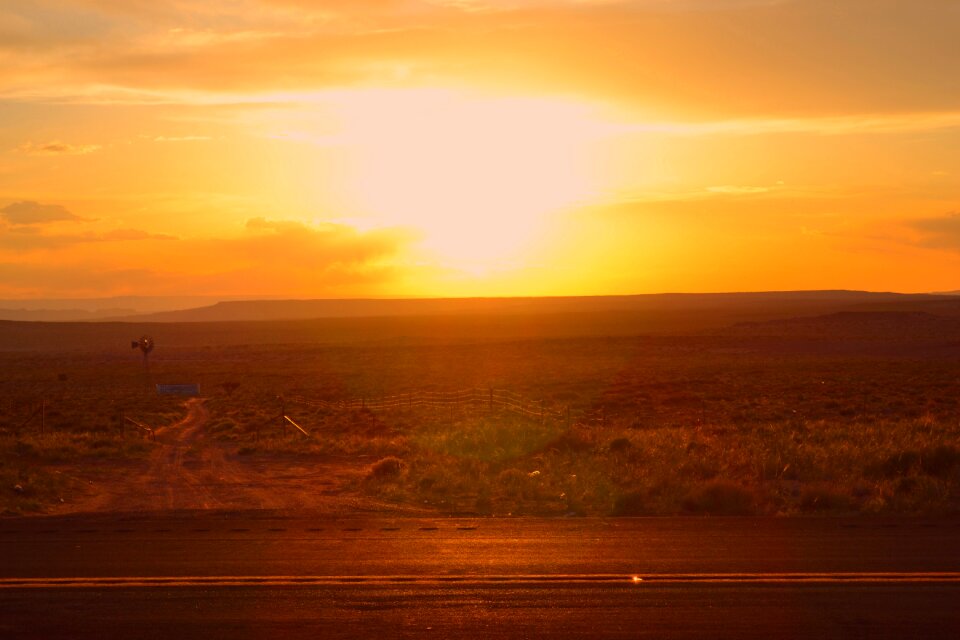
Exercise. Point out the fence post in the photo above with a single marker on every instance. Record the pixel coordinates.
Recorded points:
(43, 416)
(123, 424)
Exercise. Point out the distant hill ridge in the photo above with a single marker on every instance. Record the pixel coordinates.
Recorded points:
(61, 315)
(803, 302)
(823, 316)
(876, 325)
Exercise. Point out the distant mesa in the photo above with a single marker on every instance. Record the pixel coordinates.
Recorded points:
(870, 325)
(758, 304)
(809, 315)
(62, 315)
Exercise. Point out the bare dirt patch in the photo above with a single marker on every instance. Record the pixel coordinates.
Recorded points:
(189, 470)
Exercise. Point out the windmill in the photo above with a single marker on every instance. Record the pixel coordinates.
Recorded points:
(145, 344)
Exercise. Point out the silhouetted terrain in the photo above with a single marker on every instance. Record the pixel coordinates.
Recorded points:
(62, 315)
(819, 314)
(776, 403)
(717, 305)
(84, 309)
(878, 325)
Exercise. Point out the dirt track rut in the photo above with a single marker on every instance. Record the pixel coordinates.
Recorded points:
(189, 470)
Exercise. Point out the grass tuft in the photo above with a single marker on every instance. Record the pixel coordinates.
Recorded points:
(819, 498)
(389, 467)
(633, 503)
(721, 498)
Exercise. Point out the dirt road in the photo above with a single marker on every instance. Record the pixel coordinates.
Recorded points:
(189, 470)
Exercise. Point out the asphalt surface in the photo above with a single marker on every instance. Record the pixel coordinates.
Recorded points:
(235, 575)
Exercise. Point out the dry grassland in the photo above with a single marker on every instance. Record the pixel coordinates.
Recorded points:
(658, 425)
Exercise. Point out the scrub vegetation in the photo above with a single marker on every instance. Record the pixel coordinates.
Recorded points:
(714, 424)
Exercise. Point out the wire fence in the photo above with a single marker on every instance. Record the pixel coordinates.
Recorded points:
(471, 400)
(37, 419)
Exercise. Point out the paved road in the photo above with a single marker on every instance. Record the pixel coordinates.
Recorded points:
(235, 575)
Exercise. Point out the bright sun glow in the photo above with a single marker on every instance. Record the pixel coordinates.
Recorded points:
(476, 176)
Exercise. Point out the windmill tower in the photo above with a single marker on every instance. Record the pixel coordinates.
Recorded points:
(145, 344)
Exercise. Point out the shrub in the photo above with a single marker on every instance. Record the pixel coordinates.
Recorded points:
(619, 445)
(512, 482)
(938, 462)
(700, 469)
(388, 467)
(898, 464)
(821, 498)
(941, 460)
(720, 497)
(571, 440)
(633, 503)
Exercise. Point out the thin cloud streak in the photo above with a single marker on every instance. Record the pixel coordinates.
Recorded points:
(57, 148)
(27, 212)
(867, 123)
(941, 232)
(684, 54)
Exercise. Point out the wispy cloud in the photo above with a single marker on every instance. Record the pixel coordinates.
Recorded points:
(738, 190)
(864, 123)
(942, 232)
(181, 138)
(309, 246)
(33, 213)
(18, 278)
(133, 234)
(269, 255)
(30, 226)
(57, 148)
(673, 55)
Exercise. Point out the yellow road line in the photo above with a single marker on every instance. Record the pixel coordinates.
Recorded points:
(636, 579)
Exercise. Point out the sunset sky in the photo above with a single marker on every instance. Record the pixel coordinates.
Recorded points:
(302, 148)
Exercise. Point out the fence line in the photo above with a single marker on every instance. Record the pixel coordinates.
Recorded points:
(474, 400)
(299, 428)
(40, 411)
(141, 427)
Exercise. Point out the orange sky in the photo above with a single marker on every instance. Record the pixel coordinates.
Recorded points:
(477, 147)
